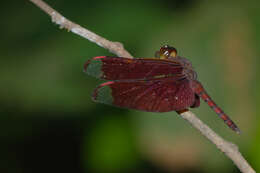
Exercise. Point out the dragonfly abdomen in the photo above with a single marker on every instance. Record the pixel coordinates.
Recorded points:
(200, 91)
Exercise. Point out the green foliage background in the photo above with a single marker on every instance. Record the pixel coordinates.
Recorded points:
(48, 121)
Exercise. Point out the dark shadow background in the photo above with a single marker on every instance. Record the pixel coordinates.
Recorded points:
(48, 122)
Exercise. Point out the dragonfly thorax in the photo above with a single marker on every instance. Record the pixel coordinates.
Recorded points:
(187, 67)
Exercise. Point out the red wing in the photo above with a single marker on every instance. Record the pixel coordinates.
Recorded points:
(117, 68)
(151, 96)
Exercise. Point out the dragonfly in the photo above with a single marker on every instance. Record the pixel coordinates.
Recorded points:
(164, 83)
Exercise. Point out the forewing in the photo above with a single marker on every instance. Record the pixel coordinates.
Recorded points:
(118, 68)
(151, 96)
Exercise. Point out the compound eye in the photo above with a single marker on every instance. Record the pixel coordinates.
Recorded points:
(173, 53)
(166, 51)
(164, 55)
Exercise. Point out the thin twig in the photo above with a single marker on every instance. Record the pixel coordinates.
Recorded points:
(228, 148)
(114, 47)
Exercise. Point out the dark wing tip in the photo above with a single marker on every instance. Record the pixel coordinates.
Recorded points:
(89, 61)
(86, 66)
(237, 130)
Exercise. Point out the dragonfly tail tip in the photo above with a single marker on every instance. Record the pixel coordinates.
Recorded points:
(237, 130)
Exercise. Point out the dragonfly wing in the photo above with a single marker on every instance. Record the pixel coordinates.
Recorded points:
(118, 68)
(151, 96)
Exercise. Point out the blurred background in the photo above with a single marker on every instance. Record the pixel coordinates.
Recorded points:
(48, 122)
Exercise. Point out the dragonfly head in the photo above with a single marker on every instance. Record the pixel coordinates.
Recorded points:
(165, 52)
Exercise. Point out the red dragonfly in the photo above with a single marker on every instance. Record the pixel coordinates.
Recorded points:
(162, 84)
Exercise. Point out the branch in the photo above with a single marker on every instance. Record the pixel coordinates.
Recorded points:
(114, 47)
(228, 148)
